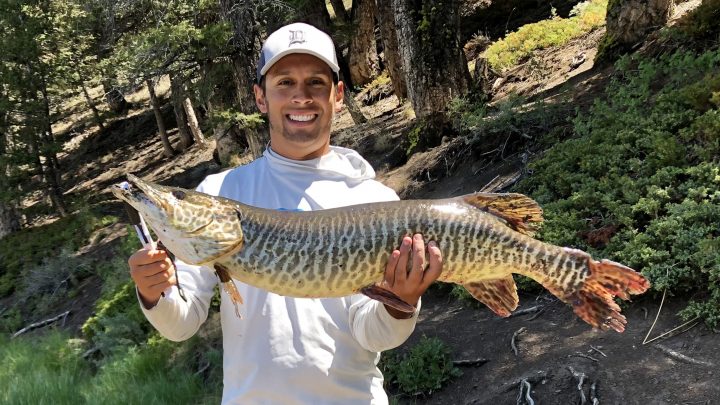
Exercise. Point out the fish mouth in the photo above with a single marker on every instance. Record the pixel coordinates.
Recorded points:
(137, 192)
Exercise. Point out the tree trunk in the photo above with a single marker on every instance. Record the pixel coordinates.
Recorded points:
(388, 32)
(9, 221)
(629, 22)
(340, 12)
(9, 216)
(316, 14)
(355, 113)
(167, 146)
(435, 66)
(193, 122)
(246, 47)
(363, 58)
(91, 104)
(51, 173)
(177, 96)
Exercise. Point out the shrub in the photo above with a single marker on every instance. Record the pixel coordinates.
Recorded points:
(31, 246)
(556, 31)
(422, 370)
(640, 183)
(702, 23)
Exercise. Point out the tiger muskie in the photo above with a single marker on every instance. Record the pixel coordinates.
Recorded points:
(336, 252)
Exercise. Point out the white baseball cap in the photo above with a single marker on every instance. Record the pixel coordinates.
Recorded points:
(296, 38)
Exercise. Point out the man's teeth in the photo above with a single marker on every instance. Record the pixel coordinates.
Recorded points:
(301, 117)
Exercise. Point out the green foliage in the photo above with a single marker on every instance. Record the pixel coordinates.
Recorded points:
(40, 371)
(508, 124)
(702, 23)
(413, 137)
(641, 183)
(50, 370)
(556, 31)
(118, 323)
(29, 247)
(420, 371)
(231, 117)
(144, 375)
(45, 286)
(11, 320)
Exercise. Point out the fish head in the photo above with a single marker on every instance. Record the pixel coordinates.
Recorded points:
(196, 227)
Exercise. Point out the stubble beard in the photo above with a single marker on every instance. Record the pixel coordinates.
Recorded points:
(300, 136)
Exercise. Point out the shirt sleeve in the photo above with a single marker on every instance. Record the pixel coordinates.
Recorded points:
(374, 328)
(176, 319)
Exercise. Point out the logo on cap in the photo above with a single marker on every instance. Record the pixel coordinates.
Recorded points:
(297, 37)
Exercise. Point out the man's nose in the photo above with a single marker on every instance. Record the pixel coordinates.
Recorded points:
(302, 94)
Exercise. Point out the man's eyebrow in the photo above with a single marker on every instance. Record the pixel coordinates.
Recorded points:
(287, 72)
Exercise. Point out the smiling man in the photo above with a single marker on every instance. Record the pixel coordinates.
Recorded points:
(288, 350)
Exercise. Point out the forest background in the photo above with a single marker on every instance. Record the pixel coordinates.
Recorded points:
(606, 112)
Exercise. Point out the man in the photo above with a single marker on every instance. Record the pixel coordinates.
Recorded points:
(288, 350)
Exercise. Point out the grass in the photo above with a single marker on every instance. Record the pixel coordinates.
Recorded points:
(556, 31)
(50, 370)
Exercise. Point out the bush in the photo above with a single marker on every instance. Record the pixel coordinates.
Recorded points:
(31, 246)
(420, 371)
(640, 183)
(556, 31)
(702, 23)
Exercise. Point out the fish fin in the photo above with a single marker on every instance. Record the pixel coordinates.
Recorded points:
(229, 286)
(500, 295)
(388, 298)
(594, 301)
(520, 212)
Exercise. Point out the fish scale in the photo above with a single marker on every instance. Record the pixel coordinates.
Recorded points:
(484, 239)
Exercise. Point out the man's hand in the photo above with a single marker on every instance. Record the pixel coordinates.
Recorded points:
(153, 272)
(410, 283)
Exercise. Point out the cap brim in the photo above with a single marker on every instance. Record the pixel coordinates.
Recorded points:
(333, 66)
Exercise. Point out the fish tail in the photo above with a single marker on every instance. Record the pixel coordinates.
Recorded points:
(594, 301)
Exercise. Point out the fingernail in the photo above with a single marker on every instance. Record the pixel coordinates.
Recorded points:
(432, 243)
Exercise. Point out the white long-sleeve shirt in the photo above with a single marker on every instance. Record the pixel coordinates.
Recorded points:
(288, 350)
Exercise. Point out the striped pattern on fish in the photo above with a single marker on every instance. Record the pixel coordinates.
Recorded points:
(484, 238)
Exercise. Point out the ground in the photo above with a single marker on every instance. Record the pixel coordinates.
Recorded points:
(555, 347)
(555, 343)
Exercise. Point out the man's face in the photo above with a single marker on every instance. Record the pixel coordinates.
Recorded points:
(300, 100)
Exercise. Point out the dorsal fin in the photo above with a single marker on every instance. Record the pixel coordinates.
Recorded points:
(520, 212)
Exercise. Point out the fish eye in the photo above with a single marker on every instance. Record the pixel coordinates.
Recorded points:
(178, 194)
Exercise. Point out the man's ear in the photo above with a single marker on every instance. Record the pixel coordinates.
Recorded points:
(339, 96)
(260, 101)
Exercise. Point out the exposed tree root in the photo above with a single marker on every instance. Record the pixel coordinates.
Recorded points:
(470, 362)
(512, 341)
(524, 397)
(580, 376)
(681, 357)
(526, 311)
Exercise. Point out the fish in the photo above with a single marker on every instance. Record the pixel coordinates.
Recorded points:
(484, 238)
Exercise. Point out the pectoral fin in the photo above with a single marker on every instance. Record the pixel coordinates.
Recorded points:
(520, 212)
(388, 298)
(499, 295)
(229, 286)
